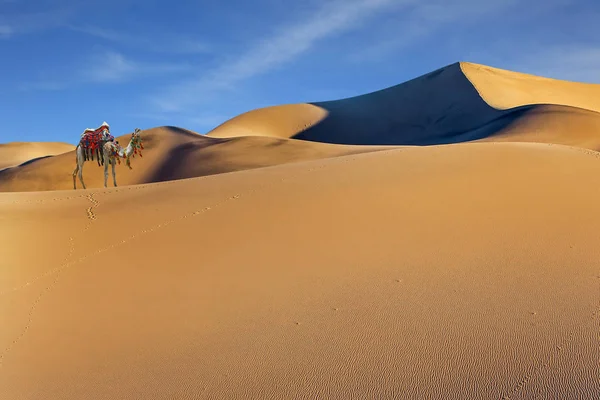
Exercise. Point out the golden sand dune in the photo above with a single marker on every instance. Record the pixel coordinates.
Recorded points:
(503, 89)
(171, 153)
(15, 153)
(457, 103)
(550, 124)
(465, 271)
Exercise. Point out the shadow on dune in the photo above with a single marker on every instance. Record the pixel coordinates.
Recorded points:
(441, 107)
(516, 120)
(438, 108)
(33, 160)
(184, 161)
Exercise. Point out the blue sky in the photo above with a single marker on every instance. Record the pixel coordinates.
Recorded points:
(69, 65)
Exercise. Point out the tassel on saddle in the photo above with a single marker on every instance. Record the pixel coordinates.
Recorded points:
(88, 154)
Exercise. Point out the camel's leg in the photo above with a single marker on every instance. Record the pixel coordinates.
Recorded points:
(105, 171)
(81, 175)
(78, 151)
(75, 176)
(114, 161)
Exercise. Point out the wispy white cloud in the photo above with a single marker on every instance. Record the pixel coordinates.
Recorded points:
(391, 42)
(46, 86)
(210, 120)
(429, 17)
(17, 23)
(199, 123)
(331, 18)
(577, 62)
(108, 67)
(6, 31)
(166, 43)
(115, 67)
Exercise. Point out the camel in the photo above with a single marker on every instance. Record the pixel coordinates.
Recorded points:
(89, 136)
(112, 153)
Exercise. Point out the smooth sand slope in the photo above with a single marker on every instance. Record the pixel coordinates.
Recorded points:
(15, 153)
(457, 103)
(504, 89)
(551, 124)
(171, 153)
(466, 271)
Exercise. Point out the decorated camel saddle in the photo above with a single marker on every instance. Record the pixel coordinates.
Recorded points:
(92, 141)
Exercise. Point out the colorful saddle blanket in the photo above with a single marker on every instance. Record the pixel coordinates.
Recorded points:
(92, 138)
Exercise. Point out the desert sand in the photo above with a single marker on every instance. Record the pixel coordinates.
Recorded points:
(15, 153)
(172, 153)
(268, 266)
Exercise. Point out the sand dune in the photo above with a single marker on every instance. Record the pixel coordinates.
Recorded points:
(426, 110)
(15, 153)
(345, 268)
(457, 103)
(172, 153)
(503, 89)
(464, 271)
(550, 124)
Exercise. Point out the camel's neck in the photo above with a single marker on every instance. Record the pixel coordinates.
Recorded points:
(129, 148)
(126, 152)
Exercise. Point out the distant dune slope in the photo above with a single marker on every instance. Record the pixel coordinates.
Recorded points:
(551, 124)
(448, 272)
(504, 89)
(171, 153)
(433, 108)
(457, 103)
(15, 153)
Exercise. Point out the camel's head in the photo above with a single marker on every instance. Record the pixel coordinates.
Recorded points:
(136, 139)
(136, 134)
(136, 144)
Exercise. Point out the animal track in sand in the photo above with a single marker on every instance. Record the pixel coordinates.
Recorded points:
(90, 210)
(33, 307)
(56, 271)
(96, 203)
(144, 186)
(92, 217)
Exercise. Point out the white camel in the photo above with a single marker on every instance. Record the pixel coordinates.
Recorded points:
(112, 153)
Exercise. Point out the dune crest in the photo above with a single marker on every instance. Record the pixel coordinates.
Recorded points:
(281, 121)
(457, 103)
(15, 153)
(172, 153)
(504, 89)
(461, 102)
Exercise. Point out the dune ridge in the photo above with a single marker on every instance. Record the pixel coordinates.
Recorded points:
(505, 89)
(15, 153)
(457, 103)
(172, 153)
(461, 102)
